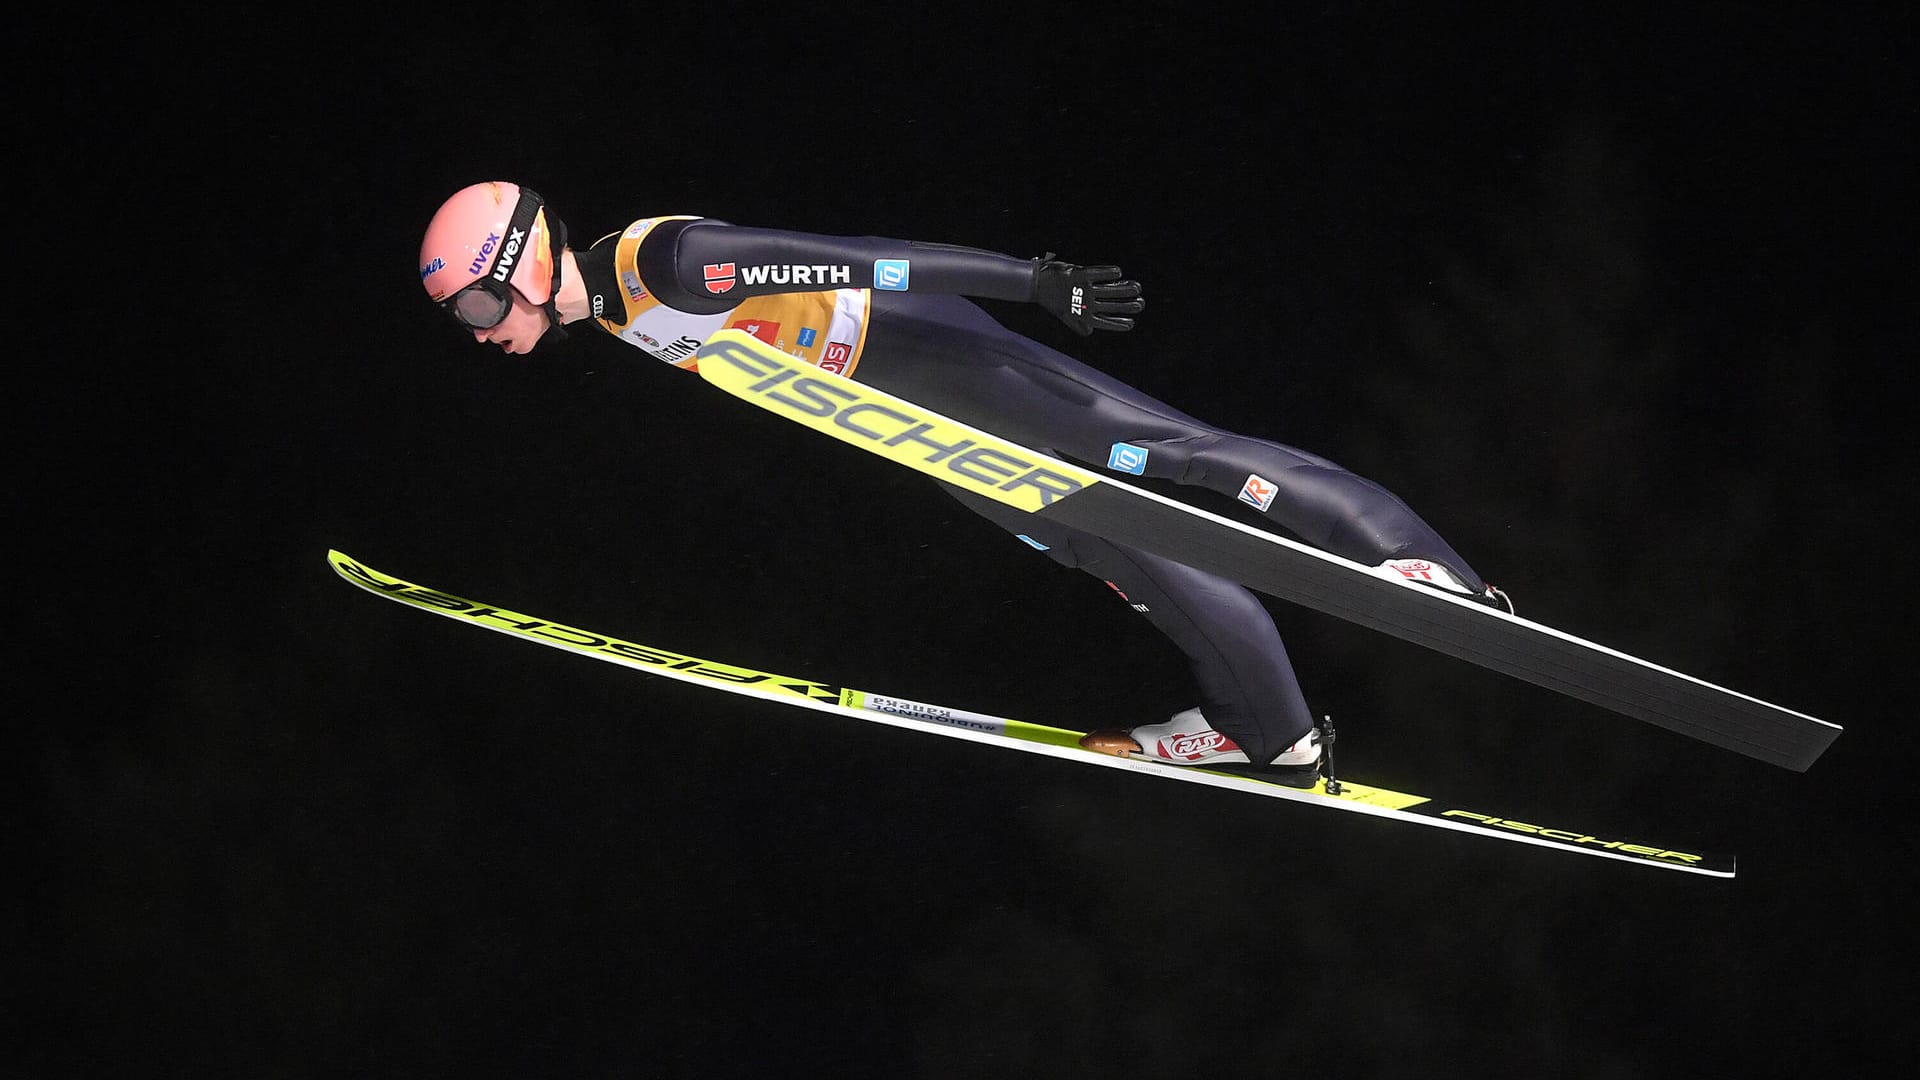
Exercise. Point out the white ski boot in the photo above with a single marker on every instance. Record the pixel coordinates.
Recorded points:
(1432, 573)
(1187, 739)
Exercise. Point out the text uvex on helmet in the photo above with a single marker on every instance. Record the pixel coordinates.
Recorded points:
(486, 240)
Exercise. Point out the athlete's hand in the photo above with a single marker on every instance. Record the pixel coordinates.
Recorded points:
(1086, 298)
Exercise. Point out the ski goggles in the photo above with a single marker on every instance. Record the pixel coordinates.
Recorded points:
(486, 302)
(482, 305)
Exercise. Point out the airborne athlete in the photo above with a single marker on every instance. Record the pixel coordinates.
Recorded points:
(893, 315)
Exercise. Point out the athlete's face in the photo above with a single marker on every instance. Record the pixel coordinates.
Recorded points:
(518, 332)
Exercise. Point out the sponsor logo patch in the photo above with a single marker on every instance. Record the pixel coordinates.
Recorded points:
(435, 265)
(796, 274)
(1198, 745)
(1258, 492)
(838, 355)
(504, 269)
(719, 277)
(672, 352)
(891, 275)
(486, 248)
(1128, 458)
(766, 331)
(806, 337)
(631, 282)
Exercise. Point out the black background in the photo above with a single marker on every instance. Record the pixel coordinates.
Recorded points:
(1620, 299)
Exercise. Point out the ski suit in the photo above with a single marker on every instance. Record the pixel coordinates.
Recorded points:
(893, 314)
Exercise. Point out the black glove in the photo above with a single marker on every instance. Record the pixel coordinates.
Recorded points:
(1086, 298)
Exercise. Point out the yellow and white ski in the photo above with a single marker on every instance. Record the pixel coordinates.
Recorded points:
(1055, 742)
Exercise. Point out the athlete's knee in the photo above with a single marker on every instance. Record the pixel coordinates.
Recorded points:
(1177, 458)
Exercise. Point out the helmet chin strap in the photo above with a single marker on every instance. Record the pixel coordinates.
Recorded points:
(554, 330)
(556, 243)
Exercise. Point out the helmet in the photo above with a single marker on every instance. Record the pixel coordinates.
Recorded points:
(486, 239)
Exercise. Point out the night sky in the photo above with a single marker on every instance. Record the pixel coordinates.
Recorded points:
(1621, 301)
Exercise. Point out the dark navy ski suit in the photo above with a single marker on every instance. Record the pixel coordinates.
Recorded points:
(893, 315)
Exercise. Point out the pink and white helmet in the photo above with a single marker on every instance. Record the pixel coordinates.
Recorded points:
(485, 240)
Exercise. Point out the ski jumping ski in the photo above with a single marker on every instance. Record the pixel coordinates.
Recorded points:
(1376, 597)
(1012, 734)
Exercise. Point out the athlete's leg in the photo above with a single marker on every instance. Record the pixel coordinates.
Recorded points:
(947, 354)
(1247, 686)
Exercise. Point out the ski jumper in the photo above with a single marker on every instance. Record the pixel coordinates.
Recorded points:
(892, 314)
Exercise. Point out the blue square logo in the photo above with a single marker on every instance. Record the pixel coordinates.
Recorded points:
(1127, 458)
(890, 274)
(807, 334)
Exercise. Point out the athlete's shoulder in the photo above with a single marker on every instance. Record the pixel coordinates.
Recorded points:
(644, 227)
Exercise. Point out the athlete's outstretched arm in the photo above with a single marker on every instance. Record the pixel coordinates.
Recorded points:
(711, 266)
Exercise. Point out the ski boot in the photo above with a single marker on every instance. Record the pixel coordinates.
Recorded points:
(1432, 573)
(1187, 739)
